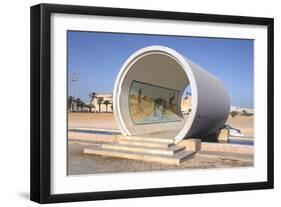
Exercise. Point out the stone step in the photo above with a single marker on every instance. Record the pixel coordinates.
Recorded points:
(145, 143)
(149, 150)
(176, 159)
(183, 155)
(149, 139)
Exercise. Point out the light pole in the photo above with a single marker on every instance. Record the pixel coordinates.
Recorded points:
(74, 78)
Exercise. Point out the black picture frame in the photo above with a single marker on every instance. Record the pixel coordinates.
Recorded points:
(41, 98)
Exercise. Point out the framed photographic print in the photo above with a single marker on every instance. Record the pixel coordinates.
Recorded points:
(133, 103)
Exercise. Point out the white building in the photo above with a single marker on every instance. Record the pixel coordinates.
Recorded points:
(241, 110)
(186, 105)
(103, 103)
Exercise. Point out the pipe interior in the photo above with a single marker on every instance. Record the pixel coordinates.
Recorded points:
(152, 90)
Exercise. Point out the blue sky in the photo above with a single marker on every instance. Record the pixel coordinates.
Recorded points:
(97, 58)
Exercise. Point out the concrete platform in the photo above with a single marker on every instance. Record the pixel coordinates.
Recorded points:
(145, 143)
(152, 149)
(175, 159)
(148, 138)
(148, 150)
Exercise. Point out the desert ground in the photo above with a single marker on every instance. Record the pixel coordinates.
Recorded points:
(107, 121)
(80, 163)
(244, 123)
(94, 120)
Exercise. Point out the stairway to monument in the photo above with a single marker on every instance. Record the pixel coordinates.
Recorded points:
(152, 149)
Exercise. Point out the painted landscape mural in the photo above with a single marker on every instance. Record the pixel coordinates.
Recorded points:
(153, 104)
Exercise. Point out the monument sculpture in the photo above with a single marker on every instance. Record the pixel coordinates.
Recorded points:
(148, 91)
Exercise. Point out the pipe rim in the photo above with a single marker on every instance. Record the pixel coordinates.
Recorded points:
(180, 59)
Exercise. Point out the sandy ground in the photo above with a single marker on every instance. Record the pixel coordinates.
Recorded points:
(79, 163)
(244, 123)
(95, 120)
(107, 121)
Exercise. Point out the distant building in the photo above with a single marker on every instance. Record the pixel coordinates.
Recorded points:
(186, 104)
(103, 103)
(241, 110)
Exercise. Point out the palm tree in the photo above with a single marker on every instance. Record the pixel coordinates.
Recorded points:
(106, 103)
(234, 113)
(90, 106)
(100, 101)
(79, 104)
(74, 105)
(82, 105)
(93, 96)
(187, 94)
(70, 103)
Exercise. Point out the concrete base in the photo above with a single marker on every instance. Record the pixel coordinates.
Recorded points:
(150, 149)
(227, 148)
(223, 135)
(191, 144)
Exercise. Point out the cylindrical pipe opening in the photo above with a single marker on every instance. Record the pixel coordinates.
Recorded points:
(148, 95)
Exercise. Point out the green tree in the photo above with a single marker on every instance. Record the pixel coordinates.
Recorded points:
(92, 95)
(79, 104)
(82, 105)
(100, 101)
(187, 94)
(70, 103)
(106, 103)
(234, 113)
(90, 106)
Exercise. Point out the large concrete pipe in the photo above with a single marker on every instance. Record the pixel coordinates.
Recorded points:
(163, 67)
